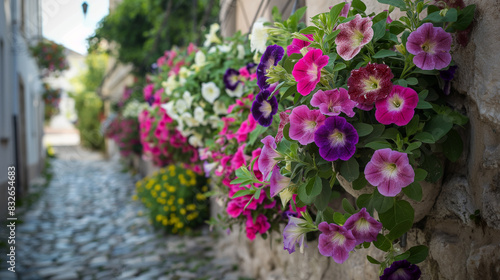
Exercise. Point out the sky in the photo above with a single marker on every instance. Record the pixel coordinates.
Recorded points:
(64, 23)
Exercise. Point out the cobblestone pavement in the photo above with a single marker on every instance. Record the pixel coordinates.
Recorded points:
(86, 226)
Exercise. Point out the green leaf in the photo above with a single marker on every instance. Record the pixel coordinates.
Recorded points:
(423, 94)
(382, 243)
(453, 146)
(372, 260)
(350, 169)
(384, 53)
(403, 256)
(377, 145)
(412, 126)
(413, 146)
(299, 13)
(412, 81)
(422, 104)
(363, 129)
(399, 219)
(401, 82)
(339, 66)
(307, 199)
(348, 207)
(420, 175)
(309, 30)
(290, 91)
(396, 27)
(378, 30)
(438, 126)
(413, 191)
(418, 254)
(335, 12)
(434, 168)
(425, 137)
(391, 133)
(339, 218)
(357, 4)
(290, 62)
(364, 200)
(322, 200)
(381, 203)
(242, 193)
(243, 181)
(359, 183)
(396, 3)
(465, 17)
(256, 133)
(328, 215)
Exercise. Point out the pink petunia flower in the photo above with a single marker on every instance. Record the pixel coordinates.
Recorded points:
(284, 120)
(267, 159)
(303, 124)
(278, 181)
(369, 84)
(431, 47)
(238, 159)
(298, 44)
(363, 226)
(389, 171)
(353, 36)
(398, 107)
(261, 225)
(335, 241)
(333, 102)
(307, 71)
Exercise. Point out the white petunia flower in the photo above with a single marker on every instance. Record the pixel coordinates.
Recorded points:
(196, 140)
(211, 37)
(220, 108)
(237, 92)
(181, 106)
(214, 121)
(210, 91)
(170, 109)
(189, 120)
(188, 98)
(259, 36)
(199, 114)
(170, 85)
(200, 60)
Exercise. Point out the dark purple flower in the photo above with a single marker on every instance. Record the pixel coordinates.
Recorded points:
(401, 270)
(231, 78)
(263, 109)
(447, 76)
(271, 57)
(363, 226)
(251, 67)
(431, 47)
(335, 241)
(336, 139)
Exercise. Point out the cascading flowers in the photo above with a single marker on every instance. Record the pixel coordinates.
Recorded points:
(357, 101)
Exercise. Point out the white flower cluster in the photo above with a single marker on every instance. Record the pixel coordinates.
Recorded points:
(134, 108)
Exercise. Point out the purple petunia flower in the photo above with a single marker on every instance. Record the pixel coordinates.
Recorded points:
(447, 76)
(278, 182)
(333, 102)
(267, 159)
(389, 171)
(335, 241)
(401, 270)
(431, 47)
(231, 78)
(336, 139)
(294, 234)
(251, 67)
(363, 226)
(263, 108)
(270, 57)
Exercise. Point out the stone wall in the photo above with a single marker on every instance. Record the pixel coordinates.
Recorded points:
(460, 248)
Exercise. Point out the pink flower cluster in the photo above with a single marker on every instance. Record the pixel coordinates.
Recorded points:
(125, 132)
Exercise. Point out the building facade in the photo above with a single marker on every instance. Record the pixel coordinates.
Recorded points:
(21, 106)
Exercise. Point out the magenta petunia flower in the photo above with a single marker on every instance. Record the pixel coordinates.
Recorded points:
(335, 241)
(284, 120)
(260, 225)
(298, 44)
(401, 270)
(307, 71)
(278, 181)
(431, 47)
(363, 226)
(389, 171)
(398, 107)
(294, 234)
(353, 36)
(303, 124)
(263, 109)
(270, 57)
(267, 159)
(333, 102)
(369, 84)
(336, 139)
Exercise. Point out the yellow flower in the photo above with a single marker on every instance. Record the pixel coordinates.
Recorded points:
(190, 172)
(204, 188)
(170, 202)
(180, 201)
(191, 207)
(192, 182)
(164, 177)
(163, 194)
(154, 194)
(165, 208)
(200, 196)
(189, 217)
(172, 208)
(180, 225)
(182, 211)
(157, 187)
(159, 217)
(164, 222)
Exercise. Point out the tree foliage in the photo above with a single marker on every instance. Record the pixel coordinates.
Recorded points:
(143, 29)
